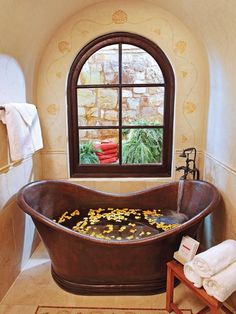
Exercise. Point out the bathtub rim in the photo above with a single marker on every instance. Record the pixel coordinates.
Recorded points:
(158, 237)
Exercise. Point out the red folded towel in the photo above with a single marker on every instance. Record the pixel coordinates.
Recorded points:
(107, 156)
(107, 152)
(106, 146)
(108, 160)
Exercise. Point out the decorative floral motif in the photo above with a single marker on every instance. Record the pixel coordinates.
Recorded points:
(184, 74)
(84, 33)
(64, 46)
(189, 107)
(59, 74)
(52, 109)
(180, 47)
(184, 139)
(157, 31)
(119, 17)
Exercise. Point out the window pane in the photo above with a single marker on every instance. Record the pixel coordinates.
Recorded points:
(99, 146)
(139, 67)
(142, 146)
(142, 104)
(97, 106)
(101, 67)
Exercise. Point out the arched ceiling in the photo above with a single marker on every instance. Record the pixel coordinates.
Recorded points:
(27, 25)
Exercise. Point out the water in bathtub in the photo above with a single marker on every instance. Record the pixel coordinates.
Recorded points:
(119, 224)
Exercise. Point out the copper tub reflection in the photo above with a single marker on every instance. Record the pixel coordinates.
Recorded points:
(84, 265)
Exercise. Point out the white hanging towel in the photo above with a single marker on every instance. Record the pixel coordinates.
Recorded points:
(23, 129)
(210, 262)
(222, 284)
(192, 275)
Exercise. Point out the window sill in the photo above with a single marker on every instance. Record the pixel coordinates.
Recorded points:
(128, 179)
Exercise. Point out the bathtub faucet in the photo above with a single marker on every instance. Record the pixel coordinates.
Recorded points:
(190, 163)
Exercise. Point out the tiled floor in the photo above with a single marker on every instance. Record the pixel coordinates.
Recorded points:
(35, 286)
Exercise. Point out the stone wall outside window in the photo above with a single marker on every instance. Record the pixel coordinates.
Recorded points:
(99, 106)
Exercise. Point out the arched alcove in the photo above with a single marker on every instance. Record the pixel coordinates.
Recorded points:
(12, 89)
(185, 52)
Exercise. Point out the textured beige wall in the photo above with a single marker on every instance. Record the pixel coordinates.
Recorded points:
(17, 233)
(186, 54)
(221, 144)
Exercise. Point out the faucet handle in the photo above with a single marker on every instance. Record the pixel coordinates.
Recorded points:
(180, 168)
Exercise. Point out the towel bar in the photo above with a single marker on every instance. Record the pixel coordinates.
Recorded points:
(3, 108)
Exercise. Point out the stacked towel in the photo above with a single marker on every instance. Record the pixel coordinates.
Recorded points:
(107, 152)
(23, 129)
(210, 262)
(192, 275)
(222, 284)
(215, 269)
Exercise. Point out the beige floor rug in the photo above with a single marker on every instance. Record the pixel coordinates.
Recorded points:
(101, 310)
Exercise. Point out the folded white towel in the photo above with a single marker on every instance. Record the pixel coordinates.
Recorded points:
(23, 129)
(191, 274)
(222, 284)
(210, 262)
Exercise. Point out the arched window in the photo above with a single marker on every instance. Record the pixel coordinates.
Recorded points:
(120, 109)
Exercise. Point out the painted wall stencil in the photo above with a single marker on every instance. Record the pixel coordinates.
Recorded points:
(119, 17)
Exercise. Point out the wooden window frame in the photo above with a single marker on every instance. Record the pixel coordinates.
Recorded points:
(124, 170)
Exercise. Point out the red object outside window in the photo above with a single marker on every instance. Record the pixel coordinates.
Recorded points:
(108, 153)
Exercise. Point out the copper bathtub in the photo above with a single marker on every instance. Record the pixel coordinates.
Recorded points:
(84, 265)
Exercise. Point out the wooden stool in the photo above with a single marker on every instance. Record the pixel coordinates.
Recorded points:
(175, 269)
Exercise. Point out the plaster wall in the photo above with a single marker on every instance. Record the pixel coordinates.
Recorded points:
(220, 150)
(185, 53)
(17, 233)
(220, 162)
(25, 28)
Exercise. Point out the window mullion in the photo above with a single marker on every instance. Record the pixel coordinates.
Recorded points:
(118, 85)
(120, 103)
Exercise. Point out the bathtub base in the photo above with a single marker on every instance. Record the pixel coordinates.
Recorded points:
(111, 289)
